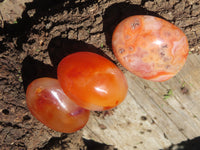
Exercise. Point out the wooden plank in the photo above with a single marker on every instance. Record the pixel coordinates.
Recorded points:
(170, 120)
(190, 77)
(154, 104)
(126, 129)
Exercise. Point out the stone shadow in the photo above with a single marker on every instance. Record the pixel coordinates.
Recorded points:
(59, 47)
(116, 13)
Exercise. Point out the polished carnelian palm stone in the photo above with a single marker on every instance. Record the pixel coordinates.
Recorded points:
(150, 47)
(49, 104)
(92, 81)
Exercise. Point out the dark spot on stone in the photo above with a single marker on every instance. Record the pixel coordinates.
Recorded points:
(131, 48)
(141, 123)
(135, 24)
(143, 118)
(163, 50)
(2, 1)
(135, 147)
(5, 111)
(164, 46)
(162, 54)
(167, 66)
(121, 50)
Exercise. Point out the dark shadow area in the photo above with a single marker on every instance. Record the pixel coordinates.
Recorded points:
(42, 8)
(33, 69)
(193, 144)
(59, 47)
(51, 143)
(116, 13)
(3, 47)
(61, 142)
(92, 145)
(144, 1)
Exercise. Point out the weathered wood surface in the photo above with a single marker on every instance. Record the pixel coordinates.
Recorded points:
(145, 120)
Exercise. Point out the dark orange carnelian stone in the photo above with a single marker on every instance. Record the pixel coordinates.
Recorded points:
(92, 81)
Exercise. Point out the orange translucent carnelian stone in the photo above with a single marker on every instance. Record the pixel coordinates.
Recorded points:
(150, 47)
(50, 105)
(92, 81)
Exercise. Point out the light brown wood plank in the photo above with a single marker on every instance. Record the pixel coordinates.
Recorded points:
(126, 129)
(153, 104)
(170, 120)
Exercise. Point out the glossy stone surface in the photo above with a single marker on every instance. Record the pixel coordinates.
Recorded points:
(49, 104)
(92, 81)
(150, 47)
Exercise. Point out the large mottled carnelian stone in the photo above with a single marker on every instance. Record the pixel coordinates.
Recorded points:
(150, 47)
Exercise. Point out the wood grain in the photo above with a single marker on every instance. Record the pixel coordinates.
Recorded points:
(147, 120)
